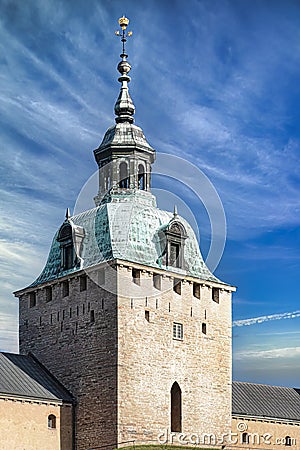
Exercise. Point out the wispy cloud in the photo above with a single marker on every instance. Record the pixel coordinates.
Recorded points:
(277, 353)
(9, 332)
(267, 318)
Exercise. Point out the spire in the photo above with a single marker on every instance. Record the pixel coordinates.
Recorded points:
(124, 107)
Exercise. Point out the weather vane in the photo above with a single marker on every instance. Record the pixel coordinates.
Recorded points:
(123, 22)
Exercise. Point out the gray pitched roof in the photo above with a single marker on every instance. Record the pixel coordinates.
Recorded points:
(261, 400)
(23, 376)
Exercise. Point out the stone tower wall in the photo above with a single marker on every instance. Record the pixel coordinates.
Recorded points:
(74, 337)
(150, 360)
(117, 355)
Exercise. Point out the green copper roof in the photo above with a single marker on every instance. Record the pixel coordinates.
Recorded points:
(127, 228)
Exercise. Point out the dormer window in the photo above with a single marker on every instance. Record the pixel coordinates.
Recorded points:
(65, 238)
(176, 236)
(70, 237)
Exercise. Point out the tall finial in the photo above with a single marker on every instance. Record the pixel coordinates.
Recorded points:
(124, 107)
(68, 214)
(123, 22)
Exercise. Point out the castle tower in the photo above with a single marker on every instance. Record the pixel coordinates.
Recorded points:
(125, 314)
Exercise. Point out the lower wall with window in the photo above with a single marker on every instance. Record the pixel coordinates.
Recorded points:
(174, 358)
(264, 433)
(25, 424)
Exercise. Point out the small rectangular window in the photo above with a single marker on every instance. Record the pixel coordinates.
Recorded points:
(65, 288)
(157, 281)
(147, 316)
(216, 294)
(83, 283)
(177, 286)
(48, 294)
(101, 277)
(177, 330)
(196, 290)
(32, 299)
(204, 328)
(136, 276)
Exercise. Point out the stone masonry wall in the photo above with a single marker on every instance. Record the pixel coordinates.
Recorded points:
(75, 337)
(117, 356)
(150, 360)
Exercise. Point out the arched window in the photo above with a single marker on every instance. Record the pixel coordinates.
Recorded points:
(141, 177)
(67, 248)
(176, 236)
(176, 408)
(288, 441)
(51, 421)
(245, 438)
(123, 180)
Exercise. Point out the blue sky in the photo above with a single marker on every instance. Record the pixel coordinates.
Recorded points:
(216, 83)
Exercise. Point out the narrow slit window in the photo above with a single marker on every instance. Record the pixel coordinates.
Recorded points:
(204, 329)
(147, 316)
(92, 313)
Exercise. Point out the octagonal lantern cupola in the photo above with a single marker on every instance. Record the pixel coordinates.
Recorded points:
(124, 156)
